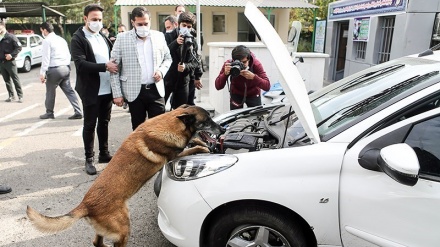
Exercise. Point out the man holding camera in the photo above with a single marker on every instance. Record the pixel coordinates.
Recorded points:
(185, 62)
(247, 77)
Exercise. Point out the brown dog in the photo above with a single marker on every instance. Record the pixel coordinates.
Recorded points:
(145, 151)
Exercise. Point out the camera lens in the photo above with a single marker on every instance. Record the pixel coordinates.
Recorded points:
(235, 70)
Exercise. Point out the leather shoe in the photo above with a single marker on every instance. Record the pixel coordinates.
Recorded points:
(90, 167)
(47, 115)
(76, 116)
(104, 157)
(5, 189)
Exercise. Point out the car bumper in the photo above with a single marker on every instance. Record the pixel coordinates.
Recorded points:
(181, 212)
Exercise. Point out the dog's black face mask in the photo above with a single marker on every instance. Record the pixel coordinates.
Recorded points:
(198, 119)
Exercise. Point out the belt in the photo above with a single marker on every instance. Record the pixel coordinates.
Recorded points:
(149, 86)
(53, 67)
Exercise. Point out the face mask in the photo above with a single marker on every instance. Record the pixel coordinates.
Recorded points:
(95, 26)
(169, 31)
(143, 31)
(183, 31)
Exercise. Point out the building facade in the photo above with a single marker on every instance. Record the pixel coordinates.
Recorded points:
(363, 33)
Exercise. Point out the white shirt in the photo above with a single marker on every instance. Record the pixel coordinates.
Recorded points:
(55, 53)
(101, 51)
(145, 52)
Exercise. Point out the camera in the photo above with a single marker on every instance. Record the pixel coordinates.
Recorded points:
(236, 67)
(187, 39)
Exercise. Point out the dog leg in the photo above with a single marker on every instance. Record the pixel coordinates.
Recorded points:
(99, 241)
(193, 150)
(199, 142)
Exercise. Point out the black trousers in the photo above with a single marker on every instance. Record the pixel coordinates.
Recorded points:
(148, 101)
(180, 91)
(99, 112)
(238, 99)
(191, 92)
(8, 69)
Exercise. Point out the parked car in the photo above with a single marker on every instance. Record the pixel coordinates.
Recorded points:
(31, 52)
(354, 164)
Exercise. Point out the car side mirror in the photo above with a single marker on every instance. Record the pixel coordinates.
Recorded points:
(400, 162)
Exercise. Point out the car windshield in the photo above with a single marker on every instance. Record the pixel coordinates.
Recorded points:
(23, 41)
(348, 100)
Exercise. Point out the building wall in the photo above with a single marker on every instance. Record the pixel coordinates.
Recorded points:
(281, 21)
(412, 34)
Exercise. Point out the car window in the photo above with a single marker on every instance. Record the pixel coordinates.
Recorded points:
(424, 138)
(23, 41)
(38, 40)
(34, 41)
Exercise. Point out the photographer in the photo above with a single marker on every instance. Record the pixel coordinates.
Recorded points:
(247, 77)
(185, 62)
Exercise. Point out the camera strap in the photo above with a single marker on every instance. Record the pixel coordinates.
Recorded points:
(230, 93)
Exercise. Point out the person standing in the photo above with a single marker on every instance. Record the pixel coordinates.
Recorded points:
(186, 64)
(55, 71)
(91, 54)
(9, 49)
(144, 59)
(247, 85)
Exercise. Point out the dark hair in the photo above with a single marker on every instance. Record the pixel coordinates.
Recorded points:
(92, 7)
(170, 18)
(47, 25)
(139, 12)
(187, 17)
(181, 5)
(240, 52)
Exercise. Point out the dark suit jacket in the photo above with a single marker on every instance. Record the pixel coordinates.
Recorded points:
(87, 70)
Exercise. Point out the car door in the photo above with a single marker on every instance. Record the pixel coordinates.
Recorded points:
(376, 210)
(36, 48)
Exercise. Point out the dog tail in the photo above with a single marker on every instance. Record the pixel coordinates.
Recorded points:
(56, 224)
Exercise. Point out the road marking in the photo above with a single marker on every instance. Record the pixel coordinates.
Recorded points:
(35, 126)
(19, 112)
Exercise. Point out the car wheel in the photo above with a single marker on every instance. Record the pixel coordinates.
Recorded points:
(27, 65)
(253, 225)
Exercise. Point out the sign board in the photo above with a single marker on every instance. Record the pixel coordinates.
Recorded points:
(351, 8)
(361, 29)
(320, 36)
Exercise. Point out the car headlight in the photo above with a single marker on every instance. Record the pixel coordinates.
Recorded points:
(197, 166)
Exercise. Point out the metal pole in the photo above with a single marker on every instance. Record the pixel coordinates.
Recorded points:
(199, 50)
(314, 30)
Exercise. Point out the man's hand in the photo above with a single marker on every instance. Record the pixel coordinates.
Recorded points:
(181, 67)
(8, 56)
(118, 101)
(112, 66)
(227, 68)
(247, 74)
(157, 76)
(43, 78)
(198, 84)
(180, 39)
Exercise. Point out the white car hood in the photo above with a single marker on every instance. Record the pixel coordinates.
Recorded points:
(291, 80)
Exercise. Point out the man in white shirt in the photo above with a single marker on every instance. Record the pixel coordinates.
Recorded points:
(55, 71)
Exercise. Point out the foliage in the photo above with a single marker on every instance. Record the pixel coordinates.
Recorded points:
(305, 16)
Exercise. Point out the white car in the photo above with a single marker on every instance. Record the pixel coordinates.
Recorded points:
(31, 52)
(354, 164)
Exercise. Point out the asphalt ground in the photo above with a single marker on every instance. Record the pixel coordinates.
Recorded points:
(43, 162)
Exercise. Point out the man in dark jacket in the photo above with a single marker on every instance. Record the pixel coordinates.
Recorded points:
(185, 62)
(91, 54)
(246, 86)
(9, 49)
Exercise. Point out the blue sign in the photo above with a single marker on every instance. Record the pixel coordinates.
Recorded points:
(353, 8)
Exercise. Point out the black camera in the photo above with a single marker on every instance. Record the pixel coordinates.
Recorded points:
(187, 39)
(236, 67)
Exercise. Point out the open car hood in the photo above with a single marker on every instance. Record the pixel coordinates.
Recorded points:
(291, 80)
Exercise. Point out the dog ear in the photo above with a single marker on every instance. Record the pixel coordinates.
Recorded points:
(187, 119)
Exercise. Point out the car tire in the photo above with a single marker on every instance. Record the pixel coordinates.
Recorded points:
(246, 225)
(27, 66)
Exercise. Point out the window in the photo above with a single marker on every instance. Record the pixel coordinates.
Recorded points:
(219, 23)
(424, 138)
(361, 48)
(436, 31)
(161, 19)
(387, 30)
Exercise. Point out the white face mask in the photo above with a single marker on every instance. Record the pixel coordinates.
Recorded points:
(183, 31)
(95, 26)
(143, 31)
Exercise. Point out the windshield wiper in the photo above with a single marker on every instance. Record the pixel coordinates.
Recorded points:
(374, 98)
(371, 75)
